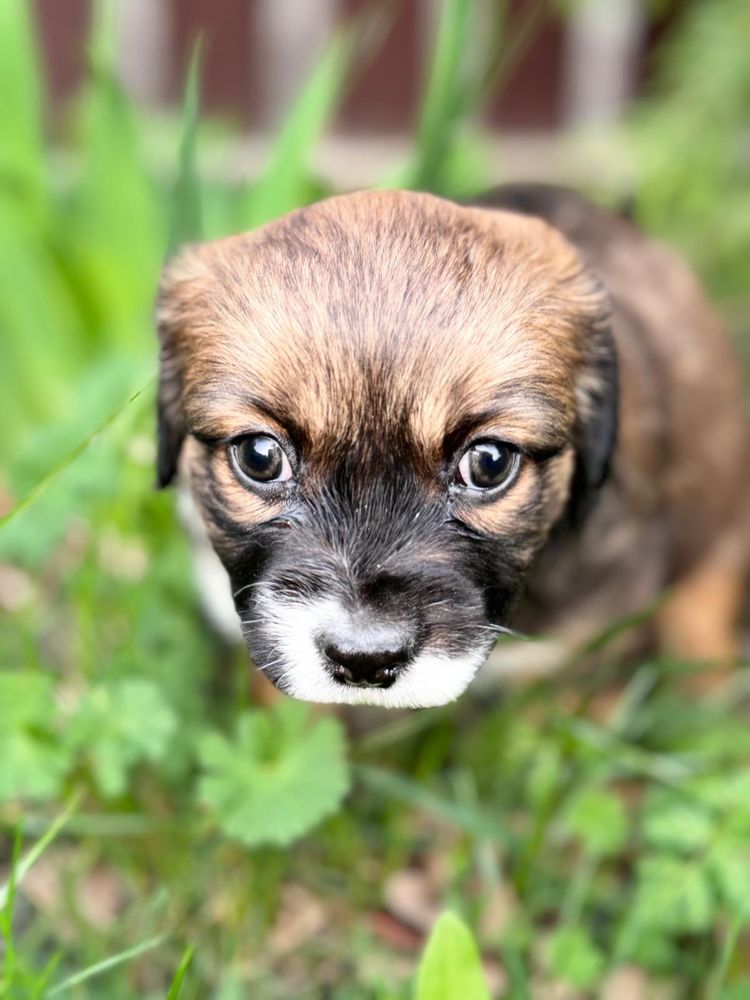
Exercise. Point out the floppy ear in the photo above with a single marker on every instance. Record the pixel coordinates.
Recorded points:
(170, 428)
(172, 323)
(597, 392)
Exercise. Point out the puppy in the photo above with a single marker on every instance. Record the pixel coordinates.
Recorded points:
(411, 425)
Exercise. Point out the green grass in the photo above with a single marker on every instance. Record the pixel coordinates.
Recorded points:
(147, 843)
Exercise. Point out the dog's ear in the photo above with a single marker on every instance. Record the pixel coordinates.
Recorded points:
(173, 310)
(597, 397)
(170, 427)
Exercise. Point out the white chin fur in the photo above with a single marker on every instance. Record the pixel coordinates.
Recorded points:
(431, 679)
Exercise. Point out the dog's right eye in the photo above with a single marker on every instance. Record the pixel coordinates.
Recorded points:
(260, 458)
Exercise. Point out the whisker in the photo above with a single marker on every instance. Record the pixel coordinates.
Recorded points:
(504, 630)
(269, 666)
(255, 583)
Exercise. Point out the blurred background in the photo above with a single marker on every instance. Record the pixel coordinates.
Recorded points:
(576, 64)
(147, 804)
(559, 68)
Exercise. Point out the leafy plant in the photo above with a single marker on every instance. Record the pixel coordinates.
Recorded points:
(450, 965)
(116, 726)
(281, 775)
(574, 957)
(33, 763)
(689, 145)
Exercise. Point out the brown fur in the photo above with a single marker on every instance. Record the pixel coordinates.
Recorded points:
(676, 508)
(480, 322)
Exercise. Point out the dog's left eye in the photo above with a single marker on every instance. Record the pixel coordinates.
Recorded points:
(487, 465)
(260, 458)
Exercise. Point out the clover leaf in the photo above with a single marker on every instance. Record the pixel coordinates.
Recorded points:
(280, 775)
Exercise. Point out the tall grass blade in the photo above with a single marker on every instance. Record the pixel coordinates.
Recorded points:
(187, 215)
(286, 181)
(473, 821)
(68, 460)
(8, 967)
(40, 328)
(117, 221)
(25, 863)
(449, 89)
(182, 968)
(448, 159)
(511, 44)
(108, 963)
(21, 144)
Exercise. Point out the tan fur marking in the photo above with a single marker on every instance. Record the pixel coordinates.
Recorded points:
(242, 504)
(502, 516)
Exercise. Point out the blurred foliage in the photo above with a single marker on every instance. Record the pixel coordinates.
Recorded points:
(576, 841)
(690, 143)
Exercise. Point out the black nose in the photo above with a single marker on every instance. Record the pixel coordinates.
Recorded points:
(366, 658)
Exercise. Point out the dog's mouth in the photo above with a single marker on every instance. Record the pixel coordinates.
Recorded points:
(315, 650)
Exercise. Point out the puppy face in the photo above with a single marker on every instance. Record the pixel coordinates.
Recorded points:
(382, 404)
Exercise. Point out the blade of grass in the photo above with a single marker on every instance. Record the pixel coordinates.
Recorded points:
(182, 968)
(101, 825)
(718, 973)
(397, 731)
(21, 148)
(40, 327)
(515, 962)
(473, 821)
(187, 216)
(284, 183)
(449, 90)
(117, 226)
(108, 963)
(448, 155)
(505, 57)
(613, 631)
(477, 48)
(7, 904)
(23, 864)
(72, 455)
(43, 978)
(667, 770)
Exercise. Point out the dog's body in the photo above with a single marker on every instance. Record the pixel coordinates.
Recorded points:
(465, 432)
(673, 512)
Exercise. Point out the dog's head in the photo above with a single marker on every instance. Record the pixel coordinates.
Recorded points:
(383, 404)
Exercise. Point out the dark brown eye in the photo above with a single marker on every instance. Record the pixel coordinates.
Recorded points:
(260, 458)
(487, 465)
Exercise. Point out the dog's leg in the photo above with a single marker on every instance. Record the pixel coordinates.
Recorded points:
(699, 621)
